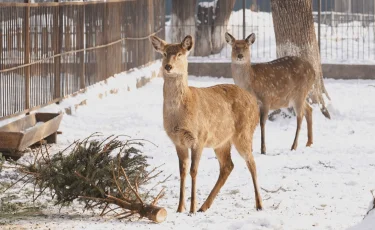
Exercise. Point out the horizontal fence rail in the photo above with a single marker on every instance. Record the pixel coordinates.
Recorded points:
(51, 50)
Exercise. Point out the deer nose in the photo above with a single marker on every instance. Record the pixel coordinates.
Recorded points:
(240, 56)
(168, 67)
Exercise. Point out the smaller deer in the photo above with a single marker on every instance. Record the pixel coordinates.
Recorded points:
(281, 83)
(213, 117)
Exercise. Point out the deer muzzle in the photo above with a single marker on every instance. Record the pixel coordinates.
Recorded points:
(168, 67)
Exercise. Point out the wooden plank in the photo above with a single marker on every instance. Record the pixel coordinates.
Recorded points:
(44, 117)
(9, 141)
(20, 124)
(40, 132)
(51, 138)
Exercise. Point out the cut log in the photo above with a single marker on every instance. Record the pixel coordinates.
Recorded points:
(154, 213)
(151, 212)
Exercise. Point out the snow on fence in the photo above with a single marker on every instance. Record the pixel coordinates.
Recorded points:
(51, 50)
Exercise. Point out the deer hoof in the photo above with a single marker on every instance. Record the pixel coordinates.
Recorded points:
(263, 150)
(191, 213)
(203, 209)
(259, 205)
(309, 144)
(180, 209)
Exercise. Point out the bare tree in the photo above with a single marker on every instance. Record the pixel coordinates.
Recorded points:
(295, 35)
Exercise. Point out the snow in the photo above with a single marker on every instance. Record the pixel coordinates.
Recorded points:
(34, 126)
(323, 187)
(208, 4)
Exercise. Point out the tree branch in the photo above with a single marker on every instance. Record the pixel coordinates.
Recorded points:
(130, 186)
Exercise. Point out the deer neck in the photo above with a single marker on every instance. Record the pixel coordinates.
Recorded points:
(243, 74)
(175, 89)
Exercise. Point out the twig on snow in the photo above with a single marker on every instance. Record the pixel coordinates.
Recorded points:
(303, 167)
(326, 165)
(274, 191)
(373, 203)
(277, 206)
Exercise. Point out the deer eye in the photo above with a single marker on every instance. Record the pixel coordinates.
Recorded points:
(179, 54)
(165, 54)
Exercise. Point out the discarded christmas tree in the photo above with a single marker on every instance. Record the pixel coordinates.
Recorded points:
(101, 173)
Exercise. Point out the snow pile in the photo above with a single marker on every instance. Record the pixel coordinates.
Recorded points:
(125, 81)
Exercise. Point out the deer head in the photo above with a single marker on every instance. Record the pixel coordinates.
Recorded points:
(174, 55)
(241, 51)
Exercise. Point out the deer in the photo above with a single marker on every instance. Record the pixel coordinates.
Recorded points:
(281, 83)
(196, 118)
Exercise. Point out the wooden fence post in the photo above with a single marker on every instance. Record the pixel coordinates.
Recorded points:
(149, 52)
(27, 56)
(106, 34)
(57, 49)
(81, 39)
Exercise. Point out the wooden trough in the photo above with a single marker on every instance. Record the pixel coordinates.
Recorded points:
(16, 136)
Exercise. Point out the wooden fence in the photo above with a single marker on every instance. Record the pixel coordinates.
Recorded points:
(51, 50)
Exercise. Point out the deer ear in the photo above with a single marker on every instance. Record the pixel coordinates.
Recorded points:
(250, 39)
(187, 43)
(229, 38)
(158, 43)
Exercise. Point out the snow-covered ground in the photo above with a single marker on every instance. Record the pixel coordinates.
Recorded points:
(323, 187)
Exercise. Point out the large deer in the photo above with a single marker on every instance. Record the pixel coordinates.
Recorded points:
(281, 83)
(213, 117)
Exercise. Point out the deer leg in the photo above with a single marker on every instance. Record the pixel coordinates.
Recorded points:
(263, 118)
(299, 112)
(252, 167)
(308, 116)
(245, 149)
(226, 167)
(183, 158)
(195, 158)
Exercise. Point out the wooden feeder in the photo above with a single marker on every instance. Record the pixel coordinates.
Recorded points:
(16, 136)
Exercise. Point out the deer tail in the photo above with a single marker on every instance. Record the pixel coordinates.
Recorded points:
(325, 112)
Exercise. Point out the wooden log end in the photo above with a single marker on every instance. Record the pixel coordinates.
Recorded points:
(154, 213)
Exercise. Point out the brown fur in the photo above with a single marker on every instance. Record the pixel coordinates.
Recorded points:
(281, 83)
(213, 117)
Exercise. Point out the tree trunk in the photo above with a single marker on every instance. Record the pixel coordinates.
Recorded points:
(343, 6)
(222, 13)
(212, 25)
(183, 20)
(295, 35)
(203, 42)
